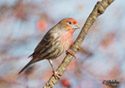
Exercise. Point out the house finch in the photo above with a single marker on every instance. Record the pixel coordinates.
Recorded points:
(56, 41)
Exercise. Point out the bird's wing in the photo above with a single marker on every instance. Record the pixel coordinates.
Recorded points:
(42, 47)
(44, 44)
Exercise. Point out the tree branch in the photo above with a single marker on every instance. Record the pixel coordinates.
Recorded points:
(99, 9)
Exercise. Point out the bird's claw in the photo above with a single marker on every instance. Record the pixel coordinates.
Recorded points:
(56, 75)
(71, 53)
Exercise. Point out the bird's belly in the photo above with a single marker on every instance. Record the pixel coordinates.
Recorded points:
(66, 40)
(60, 49)
(66, 44)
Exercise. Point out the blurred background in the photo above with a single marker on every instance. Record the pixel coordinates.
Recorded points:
(23, 23)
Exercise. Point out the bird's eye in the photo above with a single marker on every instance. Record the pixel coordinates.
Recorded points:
(70, 22)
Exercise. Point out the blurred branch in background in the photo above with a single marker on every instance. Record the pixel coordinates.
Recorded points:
(20, 10)
(97, 11)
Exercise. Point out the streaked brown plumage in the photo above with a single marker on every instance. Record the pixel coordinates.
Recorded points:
(56, 41)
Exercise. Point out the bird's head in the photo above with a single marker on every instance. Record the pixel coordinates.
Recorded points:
(69, 24)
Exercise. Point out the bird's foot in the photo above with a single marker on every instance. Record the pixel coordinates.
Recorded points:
(71, 53)
(56, 75)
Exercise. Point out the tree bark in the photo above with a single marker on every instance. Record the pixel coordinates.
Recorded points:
(99, 9)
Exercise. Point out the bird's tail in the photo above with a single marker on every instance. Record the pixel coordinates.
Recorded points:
(32, 61)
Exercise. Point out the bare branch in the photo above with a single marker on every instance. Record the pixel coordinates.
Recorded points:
(99, 9)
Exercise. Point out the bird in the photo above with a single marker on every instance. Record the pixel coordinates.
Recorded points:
(54, 43)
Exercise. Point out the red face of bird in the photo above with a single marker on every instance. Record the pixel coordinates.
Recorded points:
(69, 23)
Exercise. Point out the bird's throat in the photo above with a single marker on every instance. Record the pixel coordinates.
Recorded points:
(67, 36)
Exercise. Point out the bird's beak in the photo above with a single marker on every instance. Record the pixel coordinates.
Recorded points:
(76, 26)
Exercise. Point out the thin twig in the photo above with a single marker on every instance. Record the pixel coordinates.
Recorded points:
(97, 11)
